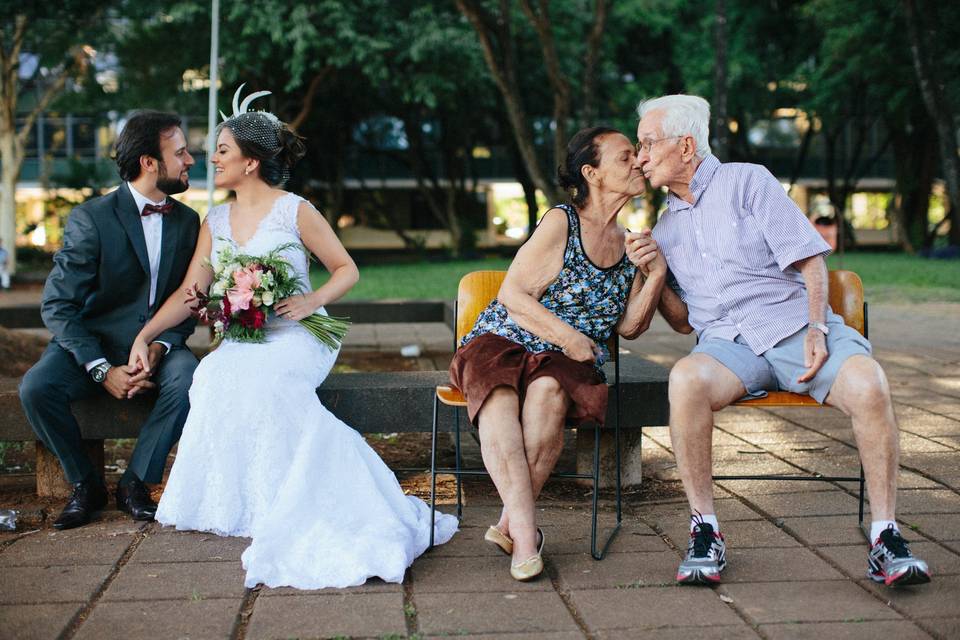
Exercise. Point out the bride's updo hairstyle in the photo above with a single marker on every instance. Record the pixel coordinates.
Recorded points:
(262, 136)
(582, 150)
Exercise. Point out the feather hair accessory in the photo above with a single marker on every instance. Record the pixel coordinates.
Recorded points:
(240, 108)
(261, 128)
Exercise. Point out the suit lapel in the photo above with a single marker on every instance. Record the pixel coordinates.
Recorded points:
(126, 211)
(169, 240)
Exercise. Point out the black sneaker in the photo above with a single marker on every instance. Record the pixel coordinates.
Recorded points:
(706, 556)
(891, 562)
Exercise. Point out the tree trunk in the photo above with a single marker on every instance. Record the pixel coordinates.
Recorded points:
(11, 156)
(931, 88)
(915, 157)
(540, 19)
(495, 32)
(721, 133)
(591, 62)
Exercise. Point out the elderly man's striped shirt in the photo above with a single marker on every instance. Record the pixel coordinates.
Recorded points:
(731, 254)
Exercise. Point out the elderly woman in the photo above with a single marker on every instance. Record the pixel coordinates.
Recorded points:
(533, 360)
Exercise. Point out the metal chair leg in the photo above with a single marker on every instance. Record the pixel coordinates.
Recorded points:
(457, 447)
(433, 471)
(596, 490)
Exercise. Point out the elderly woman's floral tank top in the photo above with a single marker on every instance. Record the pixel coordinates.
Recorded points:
(585, 296)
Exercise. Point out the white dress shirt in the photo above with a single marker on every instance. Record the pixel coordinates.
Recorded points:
(152, 234)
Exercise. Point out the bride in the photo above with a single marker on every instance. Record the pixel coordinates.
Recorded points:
(260, 456)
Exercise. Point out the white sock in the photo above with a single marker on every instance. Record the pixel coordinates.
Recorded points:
(709, 518)
(878, 526)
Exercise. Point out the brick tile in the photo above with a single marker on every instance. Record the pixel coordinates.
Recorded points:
(826, 529)
(822, 601)
(938, 598)
(776, 565)
(740, 632)
(161, 619)
(36, 621)
(189, 546)
(851, 630)
(468, 613)
(485, 573)
(40, 585)
(324, 616)
(177, 580)
(652, 607)
(59, 548)
(853, 558)
(820, 503)
(620, 571)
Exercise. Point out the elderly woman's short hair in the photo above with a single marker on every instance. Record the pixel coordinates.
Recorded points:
(684, 115)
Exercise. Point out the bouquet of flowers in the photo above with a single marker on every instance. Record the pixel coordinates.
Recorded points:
(243, 293)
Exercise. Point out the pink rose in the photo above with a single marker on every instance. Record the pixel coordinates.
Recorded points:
(247, 278)
(239, 298)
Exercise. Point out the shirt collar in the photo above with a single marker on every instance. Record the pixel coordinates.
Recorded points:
(701, 179)
(142, 200)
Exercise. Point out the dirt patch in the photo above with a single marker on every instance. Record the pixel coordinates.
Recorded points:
(18, 352)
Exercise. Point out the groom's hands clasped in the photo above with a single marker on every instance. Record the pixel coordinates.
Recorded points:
(141, 366)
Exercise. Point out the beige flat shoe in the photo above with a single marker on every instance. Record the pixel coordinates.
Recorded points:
(501, 540)
(528, 569)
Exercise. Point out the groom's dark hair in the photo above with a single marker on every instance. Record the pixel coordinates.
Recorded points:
(141, 137)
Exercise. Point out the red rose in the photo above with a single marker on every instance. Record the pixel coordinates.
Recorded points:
(252, 318)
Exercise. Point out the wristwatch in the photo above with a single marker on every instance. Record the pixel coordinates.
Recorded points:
(99, 372)
(819, 326)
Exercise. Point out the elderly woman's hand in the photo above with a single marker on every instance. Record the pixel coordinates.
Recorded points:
(643, 252)
(580, 348)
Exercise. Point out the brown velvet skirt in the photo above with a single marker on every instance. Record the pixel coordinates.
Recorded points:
(489, 361)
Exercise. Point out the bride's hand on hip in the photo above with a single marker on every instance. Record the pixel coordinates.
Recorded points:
(296, 307)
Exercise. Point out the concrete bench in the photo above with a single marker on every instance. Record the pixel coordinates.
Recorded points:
(369, 402)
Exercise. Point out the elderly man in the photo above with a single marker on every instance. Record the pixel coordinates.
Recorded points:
(751, 280)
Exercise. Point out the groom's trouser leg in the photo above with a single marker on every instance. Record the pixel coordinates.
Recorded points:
(162, 429)
(46, 392)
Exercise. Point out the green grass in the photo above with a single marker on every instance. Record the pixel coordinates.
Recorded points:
(887, 277)
(415, 281)
(900, 277)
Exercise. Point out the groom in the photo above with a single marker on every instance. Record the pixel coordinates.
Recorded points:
(122, 255)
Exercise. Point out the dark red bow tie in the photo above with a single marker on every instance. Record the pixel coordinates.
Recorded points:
(162, 209)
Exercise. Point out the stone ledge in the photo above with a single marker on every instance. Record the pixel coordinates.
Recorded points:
(383, 402)
(27, 316)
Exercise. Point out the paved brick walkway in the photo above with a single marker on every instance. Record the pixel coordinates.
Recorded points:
(797, 559)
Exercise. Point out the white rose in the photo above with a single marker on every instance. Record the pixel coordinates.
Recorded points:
(267, 298)
(218, 288)
(218, 326)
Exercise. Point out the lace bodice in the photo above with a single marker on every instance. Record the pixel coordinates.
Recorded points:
(277, 228)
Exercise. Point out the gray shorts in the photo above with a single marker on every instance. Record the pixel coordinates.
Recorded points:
(778, 368)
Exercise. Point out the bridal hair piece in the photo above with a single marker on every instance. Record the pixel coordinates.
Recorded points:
(261, 128)
(262, 135)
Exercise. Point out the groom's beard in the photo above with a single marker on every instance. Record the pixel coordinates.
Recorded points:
(168, 185)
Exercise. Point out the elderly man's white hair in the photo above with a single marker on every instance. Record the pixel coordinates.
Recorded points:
(683, 115)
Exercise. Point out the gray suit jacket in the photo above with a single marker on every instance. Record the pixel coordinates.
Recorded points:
(96, 298)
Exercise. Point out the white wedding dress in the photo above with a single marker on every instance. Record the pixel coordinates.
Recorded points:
(261, 457)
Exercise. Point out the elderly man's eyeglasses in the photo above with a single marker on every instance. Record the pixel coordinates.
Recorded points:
(647, 145)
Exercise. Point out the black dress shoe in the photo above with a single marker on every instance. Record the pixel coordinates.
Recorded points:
(134, 498)
(88, 497)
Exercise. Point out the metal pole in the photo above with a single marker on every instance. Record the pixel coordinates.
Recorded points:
(212, 103)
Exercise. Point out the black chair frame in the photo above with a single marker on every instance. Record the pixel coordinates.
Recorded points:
(458, 471)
